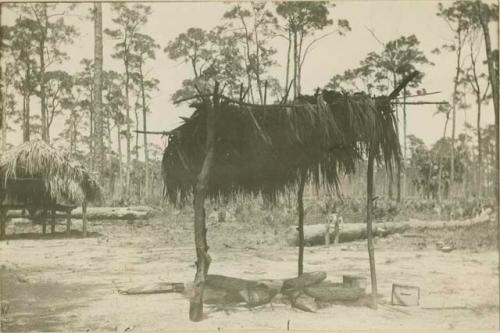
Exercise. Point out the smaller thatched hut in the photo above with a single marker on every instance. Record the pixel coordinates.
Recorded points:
(37, 177)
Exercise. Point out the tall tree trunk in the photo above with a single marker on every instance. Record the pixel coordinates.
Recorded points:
(3, 109)
(98, 62)
(441, 153)
(120, 166)
(404, 143)
(300, 209)
(454, 109)
(295, 66)
(26, 104)
(147, 186)
(41, 53)
(257, 66)
(200, 231)
(127, 122)
(493, 77)
(287, 76)
(479, 150)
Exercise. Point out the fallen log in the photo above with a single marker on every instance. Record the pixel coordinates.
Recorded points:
(157, 288)
(303, 281)
(334, 293)
(102, 213)
(314, 234)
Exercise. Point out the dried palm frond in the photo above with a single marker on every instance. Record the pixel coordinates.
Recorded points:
(39, 172)
(263, 150)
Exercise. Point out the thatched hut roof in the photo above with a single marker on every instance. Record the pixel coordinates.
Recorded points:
(263, 149)
(35, 172)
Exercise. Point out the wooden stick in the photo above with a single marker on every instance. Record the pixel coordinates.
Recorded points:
(84, 218)
(421, 103)
(52, 221)
(300, 208)
(192, 97)
(68, 221)
(369, 236)
(403, 84)
(3, 221)
(421, 95)
(44, 221)
(203, 260)
(155, 132)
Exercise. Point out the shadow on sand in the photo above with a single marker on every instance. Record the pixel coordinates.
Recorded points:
(47, 236)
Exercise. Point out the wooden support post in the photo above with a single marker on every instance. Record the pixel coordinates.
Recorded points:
(300, 229)
(327, 229)
(68, 222)
(369, 235)
(84, 218)
(3, 222)
(44, 221)
(203, 260)
(52, 221)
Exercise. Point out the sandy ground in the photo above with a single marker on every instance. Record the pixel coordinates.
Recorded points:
(59, 283)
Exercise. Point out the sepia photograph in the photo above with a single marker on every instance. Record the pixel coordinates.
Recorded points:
(249, 166)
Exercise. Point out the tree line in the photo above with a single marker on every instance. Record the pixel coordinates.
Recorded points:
(104, 109)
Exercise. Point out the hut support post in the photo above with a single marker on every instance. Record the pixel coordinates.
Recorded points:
(3, 221)
(203, 259)
(68, 221)
(84, 218)
(300, 229)
(44, 221)
(52, 221)
(369, 235)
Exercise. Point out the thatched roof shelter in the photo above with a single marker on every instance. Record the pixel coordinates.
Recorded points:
(262, 149)
(37, 173)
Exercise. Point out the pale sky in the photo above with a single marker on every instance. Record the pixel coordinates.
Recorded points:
(333, 55)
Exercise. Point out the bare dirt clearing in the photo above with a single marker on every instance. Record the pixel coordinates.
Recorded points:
(71, 284)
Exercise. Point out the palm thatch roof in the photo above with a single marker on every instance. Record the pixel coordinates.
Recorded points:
(263, 149)
(35, 172)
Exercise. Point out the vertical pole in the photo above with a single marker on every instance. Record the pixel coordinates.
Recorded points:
(84, 218)
(203, 259)
(52, 221)
(44, 221)
(300, 208)
(3, 221)
(327, 230)
(369, 209)
(404, 144)
(68, 221)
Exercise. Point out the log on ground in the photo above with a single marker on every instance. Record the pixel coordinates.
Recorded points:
(102, 213)
(314, 234)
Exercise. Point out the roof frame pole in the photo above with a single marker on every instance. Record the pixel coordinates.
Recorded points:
(300, 229)
(369, 216)
(203, 259)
